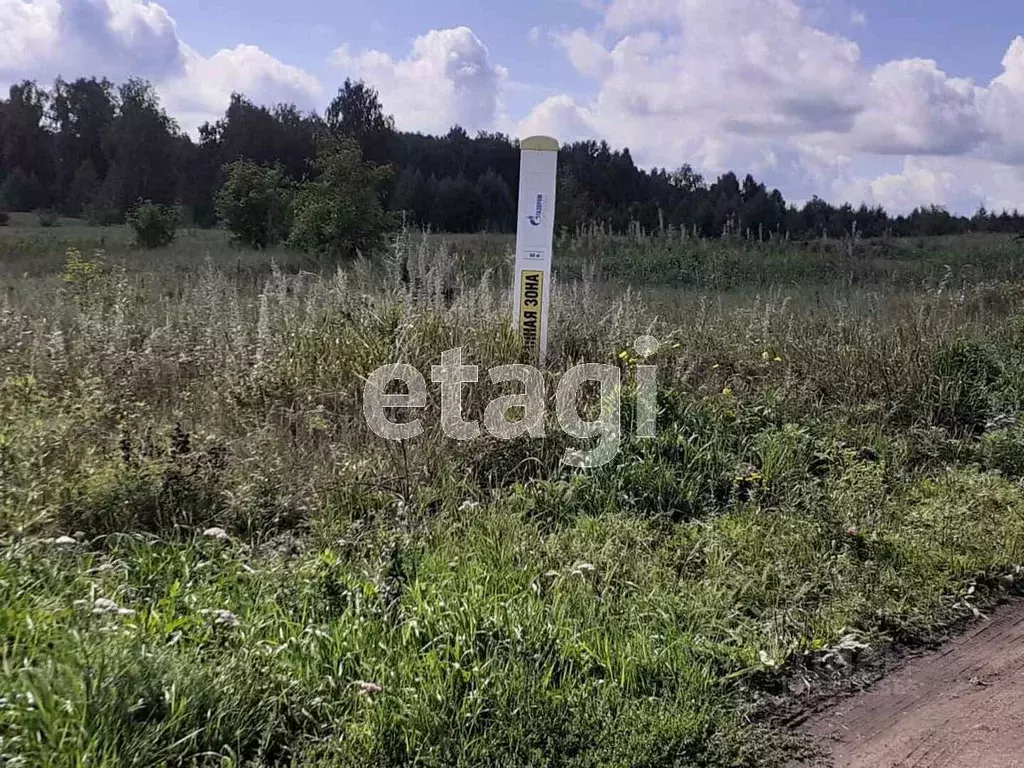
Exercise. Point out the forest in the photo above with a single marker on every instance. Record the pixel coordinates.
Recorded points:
(92, 149)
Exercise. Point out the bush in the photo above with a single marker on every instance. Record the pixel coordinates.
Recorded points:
(255, 204)
(341, 213)
(5, 218)
(155, 225)
(48, 218)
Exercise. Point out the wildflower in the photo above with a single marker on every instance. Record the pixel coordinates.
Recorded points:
(367, 688)
(65, 541)
(852, 530)
(216, 533)
(221, 617)
(765, 354)
(778, 359)
(766, 660)
(727, 391)
(582, 568)
(103, 605)
(468, 505)
(226, 618)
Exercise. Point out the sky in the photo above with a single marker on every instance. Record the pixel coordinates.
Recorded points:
(901, 104)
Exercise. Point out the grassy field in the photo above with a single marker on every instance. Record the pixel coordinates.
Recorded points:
(837, 470)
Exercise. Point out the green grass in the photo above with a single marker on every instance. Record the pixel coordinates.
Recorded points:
(837, 469)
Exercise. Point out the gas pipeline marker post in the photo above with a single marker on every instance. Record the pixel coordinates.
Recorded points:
(535, 231)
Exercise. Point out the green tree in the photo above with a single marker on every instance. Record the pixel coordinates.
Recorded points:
(357, 113)
(411, 196)
(21, 191)
(142, 148)
(496, 201)
(572, 205)
(155, 225)
(83, 190)
(26, 148)
(81, 112)
(457, 206)
(254, 203)
(341, 213)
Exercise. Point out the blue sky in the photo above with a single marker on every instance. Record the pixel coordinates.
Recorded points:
(898, 103)
(966, 39)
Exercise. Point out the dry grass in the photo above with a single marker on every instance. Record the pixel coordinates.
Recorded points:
(837, 458)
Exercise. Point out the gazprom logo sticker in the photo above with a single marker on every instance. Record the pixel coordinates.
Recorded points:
(538, 213)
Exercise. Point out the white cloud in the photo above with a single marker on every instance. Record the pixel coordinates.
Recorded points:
(40, 39)
(701, 79)
(960, 183)
(206, 86)
(858, 18)
(754, 85)
(913, 107)
(558, 116)
(585, 53)
(29, 31)
(115, 38)
(448, 78)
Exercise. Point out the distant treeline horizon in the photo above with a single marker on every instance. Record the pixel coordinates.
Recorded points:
(87, 148)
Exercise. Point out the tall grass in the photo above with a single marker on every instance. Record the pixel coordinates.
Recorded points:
(836, 469)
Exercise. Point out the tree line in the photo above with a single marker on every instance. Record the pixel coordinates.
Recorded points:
(91, 149)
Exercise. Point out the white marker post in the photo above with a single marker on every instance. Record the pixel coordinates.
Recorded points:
(535, 232)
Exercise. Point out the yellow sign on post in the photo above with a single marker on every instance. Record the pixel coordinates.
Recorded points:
(535, 232)
(531, 300)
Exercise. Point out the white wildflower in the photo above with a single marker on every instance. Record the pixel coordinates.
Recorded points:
(104, 605)
(221, 616)
(368, 688)
(581, 569)
(65, 541)
(216, 533)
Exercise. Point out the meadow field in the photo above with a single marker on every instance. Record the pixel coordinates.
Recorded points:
(208, 559)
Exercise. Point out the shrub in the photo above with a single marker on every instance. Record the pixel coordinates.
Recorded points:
(341, 213)
(255, 204)
(48, 218)
(5, 218)
(155, 225)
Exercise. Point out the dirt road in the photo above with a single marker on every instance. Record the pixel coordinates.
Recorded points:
(959, 707)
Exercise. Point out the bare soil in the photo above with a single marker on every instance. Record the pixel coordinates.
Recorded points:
(958, 707)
